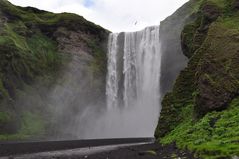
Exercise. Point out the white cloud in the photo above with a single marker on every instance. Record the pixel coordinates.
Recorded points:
(115, 15)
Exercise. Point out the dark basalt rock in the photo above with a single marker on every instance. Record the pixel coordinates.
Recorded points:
(216, 88)
(210, 11)
(236, 4)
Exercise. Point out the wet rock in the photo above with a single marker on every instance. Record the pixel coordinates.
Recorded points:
(236, 4)
(141, 153)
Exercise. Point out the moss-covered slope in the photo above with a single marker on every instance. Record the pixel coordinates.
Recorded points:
(34, 47)
(201, 111)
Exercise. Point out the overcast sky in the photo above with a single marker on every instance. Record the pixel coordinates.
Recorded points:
(114, 15)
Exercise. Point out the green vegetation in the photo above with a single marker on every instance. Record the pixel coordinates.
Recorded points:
(3, 92)
(4, 117)
(231, 22)
(99, 63)
(31, 59)
(220, 3)
(25, 57)
(215, 135)
(47, 22)
(32, 126)
(201, 113)
(46, 50)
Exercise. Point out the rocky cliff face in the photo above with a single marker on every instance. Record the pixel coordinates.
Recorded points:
(43, 56)
(200, 112)
(173, 59)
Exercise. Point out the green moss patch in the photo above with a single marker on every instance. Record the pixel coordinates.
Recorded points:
(4, 117)
(215, 135)
(201, 113)
(3, 92)
(32, 126)
(24, 57)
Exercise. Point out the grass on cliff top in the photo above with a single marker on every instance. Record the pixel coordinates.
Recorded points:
(215, 135)
(33, 16)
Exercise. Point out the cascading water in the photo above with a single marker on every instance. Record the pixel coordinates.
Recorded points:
(112, 83)
(142, 60)
(138, 102)
(132, 88)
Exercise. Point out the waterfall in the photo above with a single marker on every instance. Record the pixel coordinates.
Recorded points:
(132, 88)
(112, 83)
(134, 61)
(141, 68)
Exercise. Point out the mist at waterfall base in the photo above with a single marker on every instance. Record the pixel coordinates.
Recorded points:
(132, 88)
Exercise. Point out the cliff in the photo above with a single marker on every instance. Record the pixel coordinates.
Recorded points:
(173, 59)
(201, 111)
(42, 53)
